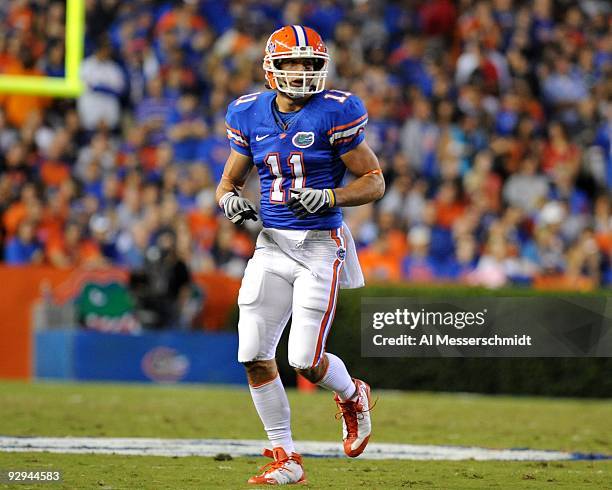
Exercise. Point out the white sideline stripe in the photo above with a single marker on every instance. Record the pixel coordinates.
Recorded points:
(236, 447)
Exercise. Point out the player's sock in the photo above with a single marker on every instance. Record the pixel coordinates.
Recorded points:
(272, 405)
(338, 379)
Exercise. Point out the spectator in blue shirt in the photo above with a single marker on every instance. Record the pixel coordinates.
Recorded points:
(24, 248)
(464, 262)
(419, 266)
(186, 128)
(54, 65)
(603, 140)
(213, 151)
(154, 111)
(564, 88)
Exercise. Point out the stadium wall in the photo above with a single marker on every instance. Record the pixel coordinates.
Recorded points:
(75, 354)
(22, 287)
(154, 357)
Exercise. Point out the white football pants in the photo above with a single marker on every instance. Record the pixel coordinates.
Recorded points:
(292, 272)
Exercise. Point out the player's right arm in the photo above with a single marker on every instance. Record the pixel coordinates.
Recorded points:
(235, 173)
(239, 163)
(236, 208)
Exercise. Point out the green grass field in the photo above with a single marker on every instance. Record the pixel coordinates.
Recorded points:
(108, 410)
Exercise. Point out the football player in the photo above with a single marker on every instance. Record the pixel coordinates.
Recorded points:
(302, 139)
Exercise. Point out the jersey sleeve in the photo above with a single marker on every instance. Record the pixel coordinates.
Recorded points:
(236, 128)
(349, 125)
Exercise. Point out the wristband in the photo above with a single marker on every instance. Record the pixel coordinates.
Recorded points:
(332, 197)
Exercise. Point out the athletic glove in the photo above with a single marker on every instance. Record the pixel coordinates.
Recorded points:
(307, 201)
(237, 209)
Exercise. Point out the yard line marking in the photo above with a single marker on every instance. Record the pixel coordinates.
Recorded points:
(141, 446)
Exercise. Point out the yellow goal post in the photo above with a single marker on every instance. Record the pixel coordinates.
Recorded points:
(70, 85)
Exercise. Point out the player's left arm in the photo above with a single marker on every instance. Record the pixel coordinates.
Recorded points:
(347, 139)
(369, 184)
(367, 187)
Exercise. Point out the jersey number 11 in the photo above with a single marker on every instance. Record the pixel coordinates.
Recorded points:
(298, 177)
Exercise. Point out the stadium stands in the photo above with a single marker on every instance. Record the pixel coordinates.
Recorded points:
(492, 120)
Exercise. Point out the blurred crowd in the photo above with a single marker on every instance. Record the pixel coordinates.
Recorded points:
(491, 119)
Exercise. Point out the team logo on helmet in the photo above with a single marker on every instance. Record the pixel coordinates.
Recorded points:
(271, 47)
(303, 139)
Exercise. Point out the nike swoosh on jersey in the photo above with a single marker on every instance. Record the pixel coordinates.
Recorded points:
(259, 138)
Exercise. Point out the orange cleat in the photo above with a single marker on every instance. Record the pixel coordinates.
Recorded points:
(356, 421)
(284, 470)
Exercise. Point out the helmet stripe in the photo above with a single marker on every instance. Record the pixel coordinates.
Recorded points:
(300, 36)
(297, 40)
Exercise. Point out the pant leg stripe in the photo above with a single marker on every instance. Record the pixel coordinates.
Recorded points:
(335, 236)
(331, 319)
(329, 312)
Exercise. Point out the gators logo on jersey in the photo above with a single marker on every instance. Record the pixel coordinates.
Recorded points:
(303, 139)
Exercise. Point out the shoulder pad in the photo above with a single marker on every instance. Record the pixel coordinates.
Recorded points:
(337, 100)
(244, 102)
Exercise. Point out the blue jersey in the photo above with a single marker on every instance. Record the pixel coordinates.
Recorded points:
(306, 154)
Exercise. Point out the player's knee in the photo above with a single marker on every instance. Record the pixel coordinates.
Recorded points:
(262, 371)
(249, 342)
(313, 373)
(300, 361)
(247, 352)
(310, 374)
